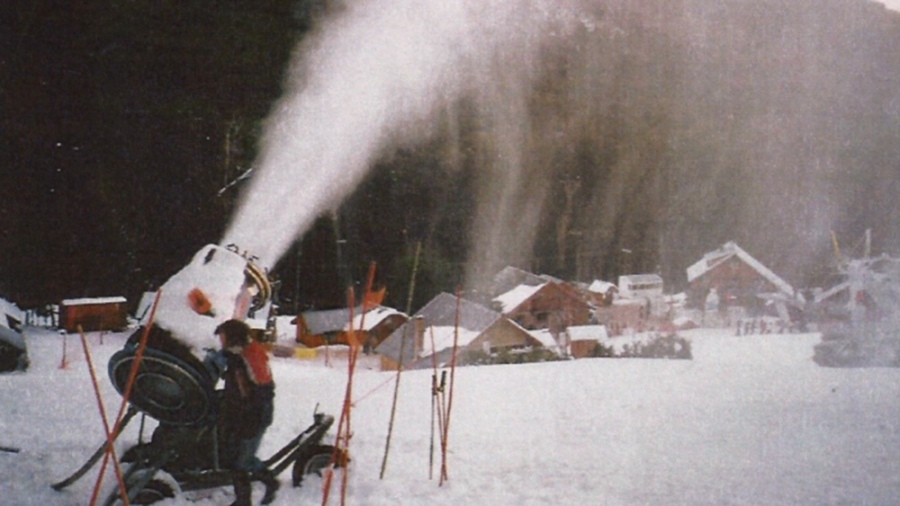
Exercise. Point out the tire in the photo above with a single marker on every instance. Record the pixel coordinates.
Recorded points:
(155, 491)
(313, 460)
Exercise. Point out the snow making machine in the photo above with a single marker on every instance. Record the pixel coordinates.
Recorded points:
(162, 373)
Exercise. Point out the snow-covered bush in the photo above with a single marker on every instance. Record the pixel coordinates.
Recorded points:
(652, 346)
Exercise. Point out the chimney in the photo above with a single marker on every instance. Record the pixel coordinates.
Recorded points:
(419, 338)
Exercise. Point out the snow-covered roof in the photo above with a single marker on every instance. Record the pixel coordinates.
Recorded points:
(628, 301)
(326, 320)
(513, 298)
(587, 332)
(370, 319)
(445, 310)
(338, 320)
(640, 279)
(509, 277)
(599, 286)
(545, 338)
(728, 250)
(443, 336)
(95, 300)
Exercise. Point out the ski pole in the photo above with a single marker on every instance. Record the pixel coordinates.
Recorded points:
(442, 424)
(431, 444)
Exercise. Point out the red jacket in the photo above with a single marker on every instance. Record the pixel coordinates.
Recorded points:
(247, 401)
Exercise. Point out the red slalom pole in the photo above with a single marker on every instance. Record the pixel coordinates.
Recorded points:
(139, 355)
(109, 435)
(354, 356)
(344, 433)
(340, 443)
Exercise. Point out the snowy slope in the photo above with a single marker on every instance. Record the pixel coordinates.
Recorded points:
(750, 421)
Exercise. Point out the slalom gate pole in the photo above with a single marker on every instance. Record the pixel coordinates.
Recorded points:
(344, 432)
(452, 381)
(341, 440)
(110, 438)
(329, 471)
(412, 287)
(387, 440)
(431, 439)
(64, 362)
(354, 355)
(139, 355)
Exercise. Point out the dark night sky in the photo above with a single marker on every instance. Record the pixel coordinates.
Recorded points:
(113, 134)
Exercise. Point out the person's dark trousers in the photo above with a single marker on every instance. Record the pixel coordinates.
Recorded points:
(270, 481)
(242, 490)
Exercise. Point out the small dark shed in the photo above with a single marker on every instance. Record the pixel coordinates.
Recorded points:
(104, 313)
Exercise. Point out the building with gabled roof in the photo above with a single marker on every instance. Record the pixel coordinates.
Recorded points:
(583, 339)
(510, 277)
(736, 277)
(550, 305)
(429, 336)
(602, 293)
(325, 327)
(641, 285)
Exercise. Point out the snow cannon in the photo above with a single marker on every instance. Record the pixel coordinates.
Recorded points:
(173, 383)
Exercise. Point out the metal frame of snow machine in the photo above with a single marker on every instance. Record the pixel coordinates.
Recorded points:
(175, 388)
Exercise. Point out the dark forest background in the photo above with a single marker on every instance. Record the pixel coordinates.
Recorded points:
(771, 123)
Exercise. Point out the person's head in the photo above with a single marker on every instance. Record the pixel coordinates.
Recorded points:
(233, 333)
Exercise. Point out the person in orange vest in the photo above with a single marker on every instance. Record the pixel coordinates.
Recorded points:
(247, 408)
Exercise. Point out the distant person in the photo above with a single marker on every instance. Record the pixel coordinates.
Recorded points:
(247, 408)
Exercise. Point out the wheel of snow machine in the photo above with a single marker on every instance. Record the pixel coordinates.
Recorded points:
(155, 491)
(313, 460)
(166, 387)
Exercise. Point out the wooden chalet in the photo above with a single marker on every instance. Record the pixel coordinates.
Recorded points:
(510, 277)
(583, 339)
(93, 314)
(327, 327)
(550, 305)
(602, 293)
(429, 336)
(735, 278)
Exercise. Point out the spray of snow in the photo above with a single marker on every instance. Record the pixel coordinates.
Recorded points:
(377, 75)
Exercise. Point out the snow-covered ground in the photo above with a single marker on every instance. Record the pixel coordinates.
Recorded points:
(751, 420)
